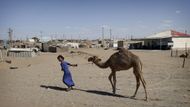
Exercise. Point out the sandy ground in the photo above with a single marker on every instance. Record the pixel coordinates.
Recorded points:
(38, 82)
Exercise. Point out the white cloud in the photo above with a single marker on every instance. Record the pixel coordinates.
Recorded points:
(166, 25)
(68, 27)
(143, 26)
(166, 21)
(177, 11)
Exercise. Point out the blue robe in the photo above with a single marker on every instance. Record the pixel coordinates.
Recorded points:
(67, 78)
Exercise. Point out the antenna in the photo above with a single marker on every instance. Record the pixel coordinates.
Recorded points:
(110, 33)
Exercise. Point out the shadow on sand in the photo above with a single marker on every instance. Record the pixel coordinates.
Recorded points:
(88, 91)
(103, 93)
(53, 87)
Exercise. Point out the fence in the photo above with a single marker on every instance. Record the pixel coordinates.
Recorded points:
(3, 54)
(178, 52)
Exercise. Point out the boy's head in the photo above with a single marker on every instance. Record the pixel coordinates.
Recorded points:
(60, 58)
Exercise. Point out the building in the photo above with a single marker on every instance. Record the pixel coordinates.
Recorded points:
(167, 40)
(1, 44)
(72, 45)
(129, 44)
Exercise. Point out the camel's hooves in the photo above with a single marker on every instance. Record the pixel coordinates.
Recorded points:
(146, 99)
(114, 92)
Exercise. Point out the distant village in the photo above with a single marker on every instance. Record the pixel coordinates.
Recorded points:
(165, 40)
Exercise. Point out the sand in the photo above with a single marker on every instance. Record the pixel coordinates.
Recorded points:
(38, 82)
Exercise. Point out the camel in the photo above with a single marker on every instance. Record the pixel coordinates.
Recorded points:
(122, 60)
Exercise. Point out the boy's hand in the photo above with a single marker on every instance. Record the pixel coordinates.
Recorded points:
(75, 65)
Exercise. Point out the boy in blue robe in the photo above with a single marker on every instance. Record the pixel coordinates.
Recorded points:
(67, 77)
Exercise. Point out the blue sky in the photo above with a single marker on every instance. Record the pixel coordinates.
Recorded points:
(85, 18)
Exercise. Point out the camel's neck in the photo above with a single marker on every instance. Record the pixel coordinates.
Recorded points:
(101, 64)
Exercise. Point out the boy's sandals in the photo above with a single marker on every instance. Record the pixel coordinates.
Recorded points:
(69, 89)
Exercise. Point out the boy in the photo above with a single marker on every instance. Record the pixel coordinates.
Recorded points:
(67, 77)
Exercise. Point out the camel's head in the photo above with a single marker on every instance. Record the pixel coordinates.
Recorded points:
(94, 59)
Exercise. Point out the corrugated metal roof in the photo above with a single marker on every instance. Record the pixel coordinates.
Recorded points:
(165, 34)
(179, 34)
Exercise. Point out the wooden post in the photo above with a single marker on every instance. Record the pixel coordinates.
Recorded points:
(185, 55)
(1, 55)
(183, 62)
(185, 47)
(171, 53)
(176, 53)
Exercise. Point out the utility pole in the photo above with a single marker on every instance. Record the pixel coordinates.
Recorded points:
(131, 37)
(63, 36)
(103, 36)
(10, 37)
(71, 38)
(110, 33)
(51, 37)
(41, 35)
(160, 44)
(79, 37)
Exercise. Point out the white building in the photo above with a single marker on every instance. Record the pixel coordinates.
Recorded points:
(31, 40)
(72, 45)
(115, 43)
(181, 43)
(167, 39)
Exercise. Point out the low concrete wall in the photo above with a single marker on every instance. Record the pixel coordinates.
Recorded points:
(21, 53)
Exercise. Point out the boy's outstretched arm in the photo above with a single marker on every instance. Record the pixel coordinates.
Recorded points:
(72, 64)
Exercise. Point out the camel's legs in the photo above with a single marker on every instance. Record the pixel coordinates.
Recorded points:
(139, 77)
(143, 81)
(110, 79)
(137, 81)
(114, 82)
(144, 85)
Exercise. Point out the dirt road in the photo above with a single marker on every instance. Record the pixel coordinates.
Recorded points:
(38, 82)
